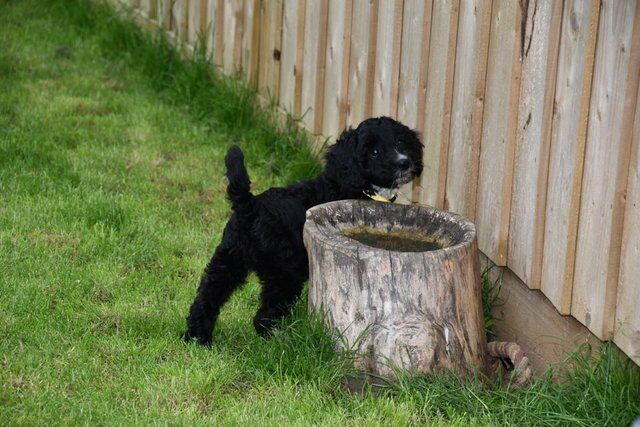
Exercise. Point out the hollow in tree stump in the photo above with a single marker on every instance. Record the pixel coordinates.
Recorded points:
(420, 311)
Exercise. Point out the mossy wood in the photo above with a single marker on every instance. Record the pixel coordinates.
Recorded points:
(419, 311)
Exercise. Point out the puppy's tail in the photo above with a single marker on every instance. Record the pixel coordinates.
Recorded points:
(238, 190)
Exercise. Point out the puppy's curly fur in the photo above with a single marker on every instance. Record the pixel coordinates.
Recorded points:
(264, 233)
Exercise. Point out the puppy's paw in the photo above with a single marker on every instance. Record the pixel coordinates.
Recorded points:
(265, 327)
(193, 337)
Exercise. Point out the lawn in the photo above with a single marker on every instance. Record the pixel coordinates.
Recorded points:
(111, 202)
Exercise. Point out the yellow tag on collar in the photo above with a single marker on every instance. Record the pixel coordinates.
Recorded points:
(379, 198)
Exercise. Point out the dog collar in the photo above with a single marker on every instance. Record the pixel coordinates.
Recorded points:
(388, 197)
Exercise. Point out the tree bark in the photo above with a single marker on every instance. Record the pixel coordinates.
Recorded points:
(418, 311)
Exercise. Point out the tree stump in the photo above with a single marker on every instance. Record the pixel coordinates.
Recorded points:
(405, 303)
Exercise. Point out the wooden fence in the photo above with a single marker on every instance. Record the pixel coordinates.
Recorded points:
(527, 110)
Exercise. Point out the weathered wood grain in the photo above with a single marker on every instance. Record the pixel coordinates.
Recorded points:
(232, 36)
(568, 136)
(364, 24)
(193, 24)
(270, 48)
(298, 70)
(613, 99)
(251, 40)
(416, 190)
(313, 64)
(437, 118)
(497, 148)
(539, 53)
(627, 325)
(164, 14)
(420, 311)
(387, 59)
(213, 33)
(321, 70)
(203, 23)
(180, 19)
(289, 53)
(414, 61)
(337, 67)
(527, 317)
(467, 107)
(154, 10)
(218, 34)
(413, 38)
(145, 7)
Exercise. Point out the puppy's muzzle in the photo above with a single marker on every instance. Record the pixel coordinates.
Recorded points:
(404, 165)
(405, 171)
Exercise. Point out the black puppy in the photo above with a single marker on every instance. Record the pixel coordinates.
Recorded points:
(264, 233)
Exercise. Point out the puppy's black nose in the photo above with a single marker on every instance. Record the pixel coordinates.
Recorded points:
(404, 164)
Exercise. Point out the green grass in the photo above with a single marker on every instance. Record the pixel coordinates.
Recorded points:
(111, 201)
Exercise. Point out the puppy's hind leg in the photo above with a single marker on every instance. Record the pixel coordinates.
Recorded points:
(224, 273)
(279, 294)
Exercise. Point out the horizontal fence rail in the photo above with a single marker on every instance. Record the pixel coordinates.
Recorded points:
(528, 111)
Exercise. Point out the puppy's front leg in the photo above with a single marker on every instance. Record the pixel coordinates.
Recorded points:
(279, 294)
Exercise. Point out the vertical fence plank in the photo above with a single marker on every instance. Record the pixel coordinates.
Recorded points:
(289, 54)
(322, 68)
(606, 166)
(310, 63)
(410, 61)
(467, 107)
(211, 27)
(387, 59)
(313, 63)
(239, 35)
(298, 70)
(218, 34)
(183, 23)
(627, 327)
(568, 135)
(364, 25)
(270, 48)
(164, 14)
(153, 9)
(437, 118)
(245, 43)
(145, 7)
(180, 19)
(337, 61)
(499, 130)
(421, 101)
(232, 37)
(204, 23)
(193, 24)
(413, 38)
(539, 52)
(250, 40)
(228, 35)
(346, 54)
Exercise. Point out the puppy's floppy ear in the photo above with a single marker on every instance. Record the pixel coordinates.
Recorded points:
(413, 147)
(418, 148)
(342, 163)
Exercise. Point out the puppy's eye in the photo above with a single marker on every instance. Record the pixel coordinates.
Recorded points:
(375, 152)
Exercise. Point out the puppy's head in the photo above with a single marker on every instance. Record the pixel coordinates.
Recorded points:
(380, 152)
